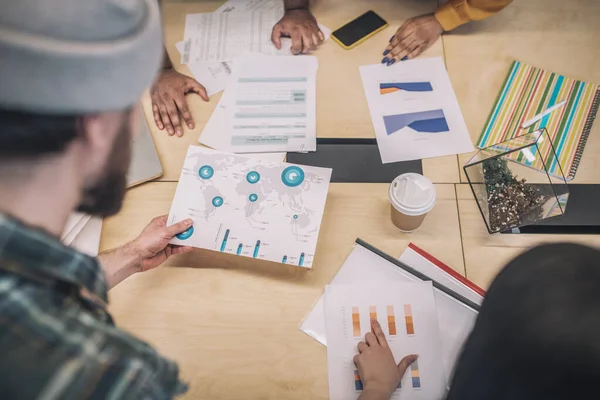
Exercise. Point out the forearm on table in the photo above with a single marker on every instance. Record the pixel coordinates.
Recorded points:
(295, 4)
(119, 264)
(458, 12)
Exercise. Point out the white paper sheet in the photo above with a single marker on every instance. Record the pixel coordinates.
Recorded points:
(75, 224)
(414, 110)
(224, 36)
(88, 239)
(269, 106)
(406, 312)
(73, 220)
(455, 320)
(212, 75)
(215, 75)
(250, 206)
(255, 5)
(251, 5)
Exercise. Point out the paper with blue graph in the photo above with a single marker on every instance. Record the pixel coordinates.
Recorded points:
(250, 206)
(414, 110)
(407, 315)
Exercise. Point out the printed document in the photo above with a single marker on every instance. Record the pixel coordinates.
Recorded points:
(414, 110)
(406, 313)
(250, 206)
(269, 106)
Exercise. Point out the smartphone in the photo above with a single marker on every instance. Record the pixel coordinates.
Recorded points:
(360, 29)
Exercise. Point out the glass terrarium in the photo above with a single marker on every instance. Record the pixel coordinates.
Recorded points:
(518, 182)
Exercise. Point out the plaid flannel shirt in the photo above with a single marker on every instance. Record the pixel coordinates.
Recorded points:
(56, 343)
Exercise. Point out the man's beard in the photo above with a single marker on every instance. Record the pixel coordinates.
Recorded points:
(105, 197)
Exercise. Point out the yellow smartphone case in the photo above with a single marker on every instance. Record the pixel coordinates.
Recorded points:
(361, 39)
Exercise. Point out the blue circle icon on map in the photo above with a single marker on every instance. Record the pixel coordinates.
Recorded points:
(206, 172)
(253, 197)
(295, 216)
(253, 177)
(292, 176)
(217, 201)
(186, 234)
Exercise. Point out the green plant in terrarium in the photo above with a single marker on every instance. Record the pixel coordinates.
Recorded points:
(496, 173)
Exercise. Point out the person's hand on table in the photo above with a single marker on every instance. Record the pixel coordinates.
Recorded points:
(412, 38)
(378, 371)
(169, 105)
(301, 26)
(152, 245)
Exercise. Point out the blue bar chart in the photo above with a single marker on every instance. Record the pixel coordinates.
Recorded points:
(224, 243)
(256, 249)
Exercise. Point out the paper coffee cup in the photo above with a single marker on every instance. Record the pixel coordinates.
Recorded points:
(412, 196)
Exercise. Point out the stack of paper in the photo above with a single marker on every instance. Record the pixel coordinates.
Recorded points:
(82, 232)
(269, 106)
(255, 207)
(456, 308)
(213, 40)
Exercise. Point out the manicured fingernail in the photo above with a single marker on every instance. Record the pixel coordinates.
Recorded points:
(191, 126)
(385, 53)
(392, 38)
(188, 221)
(393, 60)
(385, 60)
(179, 131)
(170, 130)
(404, 58)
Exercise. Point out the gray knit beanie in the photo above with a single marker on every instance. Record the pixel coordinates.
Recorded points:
(77, 56)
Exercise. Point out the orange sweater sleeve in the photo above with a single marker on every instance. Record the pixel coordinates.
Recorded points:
(458, 12)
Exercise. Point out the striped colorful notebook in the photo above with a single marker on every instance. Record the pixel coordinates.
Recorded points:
(528, 91)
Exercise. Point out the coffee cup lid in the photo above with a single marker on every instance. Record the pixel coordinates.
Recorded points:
(412, 194)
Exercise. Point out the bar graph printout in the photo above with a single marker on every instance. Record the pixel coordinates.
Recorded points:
(414, 110)
(407, 315)
(250, 206)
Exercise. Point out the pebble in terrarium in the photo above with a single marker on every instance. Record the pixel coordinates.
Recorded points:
(511, 201)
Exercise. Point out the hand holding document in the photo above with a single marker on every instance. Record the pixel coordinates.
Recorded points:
(250, 206)
(269, 106)
(414, 110)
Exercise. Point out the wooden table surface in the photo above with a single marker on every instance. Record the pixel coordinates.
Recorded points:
(232, 323)
(342, 110)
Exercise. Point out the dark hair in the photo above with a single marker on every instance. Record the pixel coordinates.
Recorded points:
(538, 333)
(25, 134)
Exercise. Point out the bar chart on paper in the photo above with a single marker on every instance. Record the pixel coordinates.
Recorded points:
(392, 87)
(250, 206)
(414, 110)
(424, 121)
(408, 319)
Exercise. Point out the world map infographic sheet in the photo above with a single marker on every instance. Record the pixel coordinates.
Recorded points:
(407, 315)
(250, 206)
